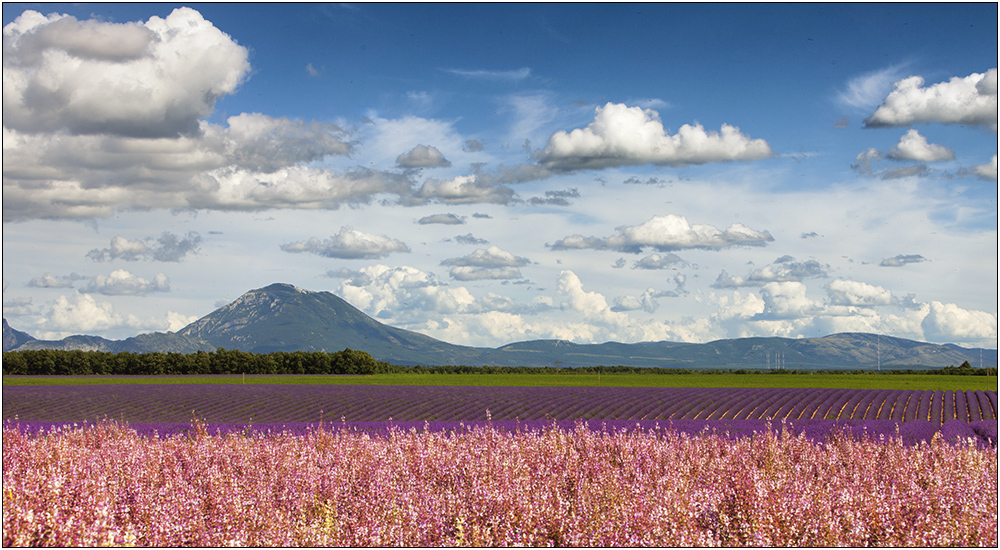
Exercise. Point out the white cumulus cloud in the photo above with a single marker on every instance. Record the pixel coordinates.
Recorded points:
(493, 256)
(464, 190)
(658, 261)
(349, 243)
(856, 293)
(167, 248)
(591, 304)
(623, 136)
(986, 171)
(85, 314)
(422, 156)
(260, 162)
(152, 79)
(970, 100)
(782, 270)
(647, 300)
(100, 116)
(486, 263)
(48, 280)
(667, 233)
(404, 294)
(913, 146)
(785, 301)
(123, 283)
(951, 323)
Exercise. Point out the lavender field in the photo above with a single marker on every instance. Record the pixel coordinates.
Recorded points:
(262, 465)
(334, 403)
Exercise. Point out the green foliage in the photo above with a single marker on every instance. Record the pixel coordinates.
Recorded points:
(965, 369)
(222, 361)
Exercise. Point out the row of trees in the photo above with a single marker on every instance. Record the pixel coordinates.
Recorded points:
(966, 369)
(221, 361)
(348, 361)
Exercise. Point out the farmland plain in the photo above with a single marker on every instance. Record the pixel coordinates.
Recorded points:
(865, 380)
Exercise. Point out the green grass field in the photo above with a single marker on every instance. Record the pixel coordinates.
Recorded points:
(845, 381)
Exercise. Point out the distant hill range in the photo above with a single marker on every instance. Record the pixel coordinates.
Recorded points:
(282, 317)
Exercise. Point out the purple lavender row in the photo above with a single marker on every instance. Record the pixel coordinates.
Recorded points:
(983, 432)
(281, 403)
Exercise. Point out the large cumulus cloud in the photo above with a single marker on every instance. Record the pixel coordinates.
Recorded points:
(949, 322)
(404, 294)
(152, 79)
(86, 315)
(623, 136)
(970, 100)
(104, 116)
(257, 162)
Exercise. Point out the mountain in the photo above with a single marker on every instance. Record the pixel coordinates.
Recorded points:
(282, 317)
(143, 343)
(14, 338)
(844, 350)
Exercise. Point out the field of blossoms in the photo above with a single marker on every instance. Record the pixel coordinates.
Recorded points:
(106, 484)
(441, 466)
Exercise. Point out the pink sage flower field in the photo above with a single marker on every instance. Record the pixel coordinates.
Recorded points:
(787, 479)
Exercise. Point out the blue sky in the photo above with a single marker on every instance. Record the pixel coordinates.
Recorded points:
(493, 173)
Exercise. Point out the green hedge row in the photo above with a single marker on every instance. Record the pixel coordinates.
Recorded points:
(221, 361)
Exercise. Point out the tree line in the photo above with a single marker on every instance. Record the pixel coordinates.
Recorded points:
(221, 361)
(348, 361)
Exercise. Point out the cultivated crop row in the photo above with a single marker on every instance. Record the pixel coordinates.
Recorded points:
(301, 403)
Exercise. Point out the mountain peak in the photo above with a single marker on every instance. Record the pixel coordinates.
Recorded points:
(282, 287)
(284, 317)
(14, 338)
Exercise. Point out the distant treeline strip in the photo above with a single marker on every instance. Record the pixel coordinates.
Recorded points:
(348, 361)
(221, 361)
